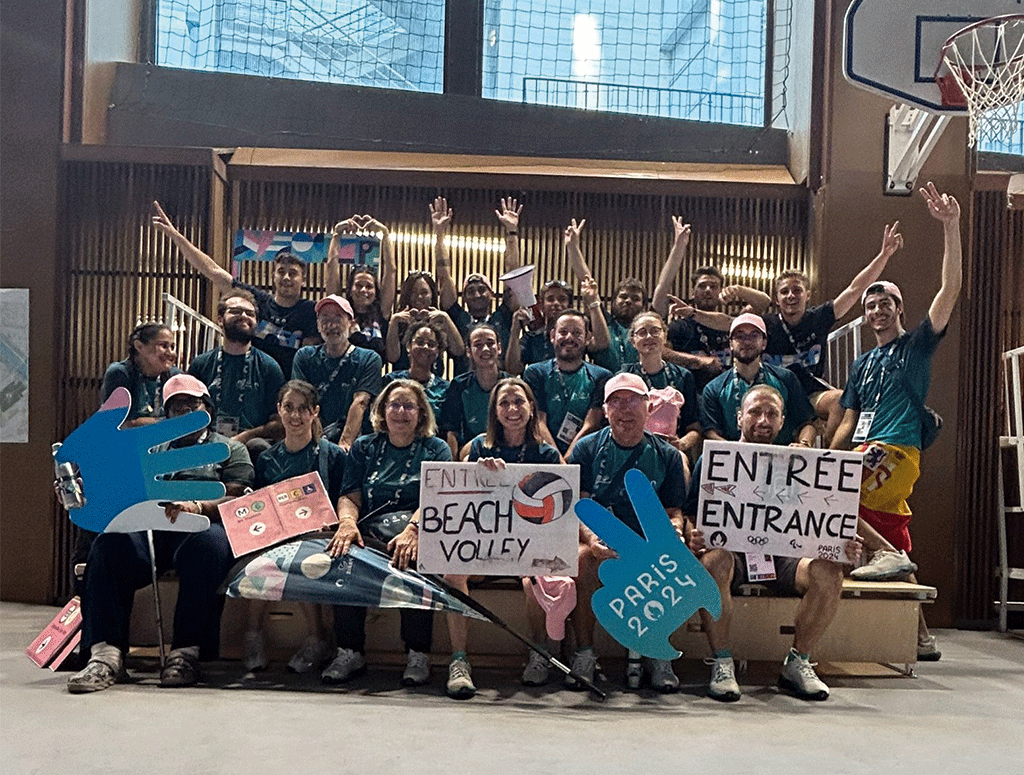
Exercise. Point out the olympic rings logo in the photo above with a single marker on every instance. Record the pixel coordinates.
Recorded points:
(757, 540)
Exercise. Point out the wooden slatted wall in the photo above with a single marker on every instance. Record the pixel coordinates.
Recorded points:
(992, 306)
(115, 268)
(627, 235)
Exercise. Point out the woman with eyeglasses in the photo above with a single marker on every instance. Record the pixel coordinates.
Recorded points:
(372, 299)
(512, 436)
(675, 413)
(302, 450)
(380, 498)
(417, 303)
(424, 342)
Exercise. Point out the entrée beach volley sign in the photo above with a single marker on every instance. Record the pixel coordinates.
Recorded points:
(789, 501)
(515, 522)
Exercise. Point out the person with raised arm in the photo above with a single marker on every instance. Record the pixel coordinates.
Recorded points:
(464, 409)
(798, 336)
(424, 341)
(347, 378)
(371, 295)
(884, 412)
(286, 320)
(511, 436)
(477, 292)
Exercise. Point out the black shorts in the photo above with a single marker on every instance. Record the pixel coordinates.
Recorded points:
(785, 576)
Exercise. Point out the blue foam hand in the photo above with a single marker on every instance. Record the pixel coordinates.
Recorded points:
(656, 583)
(119, 470)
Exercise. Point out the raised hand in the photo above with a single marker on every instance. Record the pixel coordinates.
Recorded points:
(892, 240)
(678, 309)
(119, 470)
(943, 207)
(572, 232)
(508, 215)
(588, 290)
(440, 214)
(655, 584)
(162, 223)
(682, 230)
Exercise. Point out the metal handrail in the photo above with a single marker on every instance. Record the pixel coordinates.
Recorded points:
(844, 346)
(193, 332)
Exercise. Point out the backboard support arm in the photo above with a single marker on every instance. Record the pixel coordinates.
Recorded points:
(910, 135)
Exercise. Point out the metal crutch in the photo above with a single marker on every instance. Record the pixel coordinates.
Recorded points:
(156, 599)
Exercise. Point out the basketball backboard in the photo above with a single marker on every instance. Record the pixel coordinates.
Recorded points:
(892, 47)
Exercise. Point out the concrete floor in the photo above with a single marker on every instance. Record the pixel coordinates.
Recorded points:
(963, 714)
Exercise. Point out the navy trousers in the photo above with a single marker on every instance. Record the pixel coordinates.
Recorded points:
(119, 564)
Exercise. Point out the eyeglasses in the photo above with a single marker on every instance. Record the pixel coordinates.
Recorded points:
(420, 341)
(180, 406)
(398, 406)
(633, 401)
(249, 313)
(640, 333)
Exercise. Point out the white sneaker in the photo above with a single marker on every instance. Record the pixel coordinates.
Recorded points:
(536, 672)
(347, 664)
(255, 650)
(885, 566)
(723, 686)
(460, 680)
(661, 676)
(798, 676)
(417, 669)
(313, 653)
(583, 664)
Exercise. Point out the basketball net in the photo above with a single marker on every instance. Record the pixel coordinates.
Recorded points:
(984, 73)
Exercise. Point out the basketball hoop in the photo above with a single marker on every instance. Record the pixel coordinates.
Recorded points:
(981, 69)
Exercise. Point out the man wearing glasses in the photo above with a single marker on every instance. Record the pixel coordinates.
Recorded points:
(243, 381)
(722, 396)
(603, 458)
(119, 564)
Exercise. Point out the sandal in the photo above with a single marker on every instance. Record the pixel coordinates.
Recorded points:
(94, 677)
(180, 670)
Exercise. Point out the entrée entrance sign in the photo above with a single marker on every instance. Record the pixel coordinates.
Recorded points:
(516, 522)
(789, 501)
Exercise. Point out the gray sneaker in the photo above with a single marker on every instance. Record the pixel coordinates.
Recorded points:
(798, 677)
(536, 672)
(885, 566)
(417, 669)
(460, 680)
(585, 665)
(347, 664)
(95, 677)
(723, 686)
(313, 653)
(661, 676)
(927, 650)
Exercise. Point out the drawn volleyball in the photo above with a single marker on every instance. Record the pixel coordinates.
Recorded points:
(542, 497)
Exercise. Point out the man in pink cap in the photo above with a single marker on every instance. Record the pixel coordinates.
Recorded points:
(603, 458)
(885, 413)
(722, 396)
(346, 377)
(119, 564)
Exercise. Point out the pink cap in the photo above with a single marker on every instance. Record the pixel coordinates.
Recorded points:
(184, 385)
(748, 319)
(882, 286)
(338, 301)
(625, 381)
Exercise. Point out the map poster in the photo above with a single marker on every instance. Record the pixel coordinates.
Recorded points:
(14, 322)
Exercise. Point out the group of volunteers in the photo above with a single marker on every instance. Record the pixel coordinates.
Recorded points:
(297, 386)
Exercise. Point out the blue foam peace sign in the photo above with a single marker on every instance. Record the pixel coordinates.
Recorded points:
(119, 468)
(655, 584)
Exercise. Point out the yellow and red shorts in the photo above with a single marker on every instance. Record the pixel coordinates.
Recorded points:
(889, 474)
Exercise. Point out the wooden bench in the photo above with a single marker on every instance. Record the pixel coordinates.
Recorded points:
(876, 623)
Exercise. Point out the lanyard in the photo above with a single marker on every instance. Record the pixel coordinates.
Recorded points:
(323, 386)
(789, 334)
(244, 382)
(884, 359)
(379, 447)
(280, 473)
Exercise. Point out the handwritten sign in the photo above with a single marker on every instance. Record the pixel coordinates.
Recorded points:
(516, 522)
(276, 512)
(655, 584)
(788, 501)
